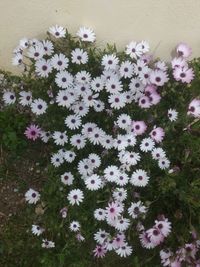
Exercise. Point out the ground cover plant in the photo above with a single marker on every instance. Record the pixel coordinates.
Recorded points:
(104, 146)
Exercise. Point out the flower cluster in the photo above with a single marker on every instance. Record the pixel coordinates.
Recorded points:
(186, 254)
(109, 131)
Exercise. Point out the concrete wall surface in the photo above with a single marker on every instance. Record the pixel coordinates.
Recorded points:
(162, 22)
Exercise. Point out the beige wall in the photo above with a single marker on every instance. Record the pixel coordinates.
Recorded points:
(162, 22)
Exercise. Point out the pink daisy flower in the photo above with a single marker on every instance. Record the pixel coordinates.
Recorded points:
(152, 94)
(194, 108)
(139, 127)
(150, 89)
(183, 50)
(158, 77)
(175, 263)
(145, 241)
(154, 98)
(146, 58)
(155, 236)
(144, 102)
(119, 240)
(157, 134)
(33, 132)
(183, 74)
(179, 62)
(113, 210)
(99, 251)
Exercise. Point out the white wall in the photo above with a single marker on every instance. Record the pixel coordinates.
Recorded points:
(162, 22)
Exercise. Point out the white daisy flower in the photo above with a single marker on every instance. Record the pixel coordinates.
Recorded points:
(24, 42)
(147, 144)
(38, 106)
(78, 141)
(64, 79)
(172, 114)
(109, 244)
(158, 153)
(120, 142)
(73, 122)
(126, 69)
(88, 128)
(124, 250)
(99, 106)
(136, 85)
(36, 52)
(57, 159)
(124, 121)
(140, 67)
(82, 89)
(9, 97)
(80, 109)
(64, 98)
(90, 99)
(37, 230)
(131, 139)
(144, 46)
(144, 76)
(97, 84)
(47, 243)
(96, 136)
(107, 142)
(122, 179)
(59, 62)
(57, 31)
(132, 158)
(79, 56)
(83, 77)
(32, 196)
(17, 59)
(136, 209)
(117, 101)
(61, 151)
(94, 160)
(60, 138)
(129, 96)
(107, 74)
(161, 65)
(100, 214)
(18, 50)
(114, 85)
(75, 196)
(139, 178)
(110, 62)
(163, 163)
(93, 182)
(69, 156)
(120, 194)
(86, 34)
(67, 178)
(74, 226)
(48, 47)
(134, 50)
(111, 173)
(34, 42)
(25, 98)
(45, 136)
(122, 224)
(101, 236)
(43, 67)
(84, 168)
